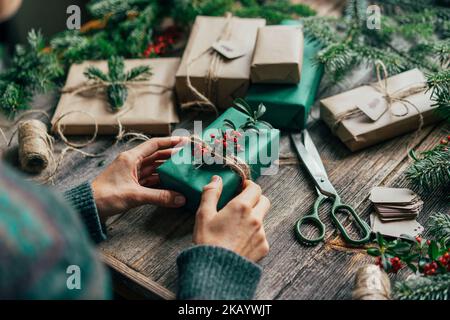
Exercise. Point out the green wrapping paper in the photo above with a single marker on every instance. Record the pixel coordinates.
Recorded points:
(288, 106)
(180, 173)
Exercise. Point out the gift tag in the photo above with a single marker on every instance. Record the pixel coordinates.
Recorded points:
(229, 49)
(396, 228)
(375, 107)
(383, 195)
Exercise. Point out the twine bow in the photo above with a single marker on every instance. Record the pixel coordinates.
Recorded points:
(211, 79)
(390, 98)
(231, 161)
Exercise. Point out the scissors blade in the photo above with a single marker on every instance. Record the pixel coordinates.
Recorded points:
(312, 150)
(316, 170)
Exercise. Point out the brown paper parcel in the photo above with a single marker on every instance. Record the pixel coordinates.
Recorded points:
(278, 55)
(360, 131)
(152, 108)
(230, 77)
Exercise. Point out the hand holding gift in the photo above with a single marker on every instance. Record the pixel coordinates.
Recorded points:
(130, 180)
(238, 226)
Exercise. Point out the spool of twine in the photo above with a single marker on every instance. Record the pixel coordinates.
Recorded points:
(35, 146)
(371, 283)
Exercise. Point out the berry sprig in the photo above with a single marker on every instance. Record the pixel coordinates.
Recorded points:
(225, 143)
(162, 43)
(428, 257)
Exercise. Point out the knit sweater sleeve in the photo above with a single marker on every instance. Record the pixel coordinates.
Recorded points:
(207, 272)
(82, 200)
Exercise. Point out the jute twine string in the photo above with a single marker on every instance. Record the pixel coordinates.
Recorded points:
(231, 161)
(397, 96)
(203, 101)
(371, 283)
(35, 144)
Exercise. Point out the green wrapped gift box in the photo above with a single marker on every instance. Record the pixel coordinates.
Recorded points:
(288, 106)
(259, 151)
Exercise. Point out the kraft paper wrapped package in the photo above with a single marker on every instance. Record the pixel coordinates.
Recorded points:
(219, 79)
(288, 106)
(152, 108)
(181, 174)
(362, 117)
(278, 55)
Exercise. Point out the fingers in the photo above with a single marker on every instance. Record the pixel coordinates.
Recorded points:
(262, 208)
(210, 197)
(250, 196)
(147, 148)
(163, 154)
(162, 198)
(150, 181)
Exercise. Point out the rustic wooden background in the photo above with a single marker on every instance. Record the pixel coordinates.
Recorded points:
(143, 244)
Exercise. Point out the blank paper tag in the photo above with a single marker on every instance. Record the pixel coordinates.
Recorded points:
(382, 195)
(229, 49)
(375, 107)
(396, 228)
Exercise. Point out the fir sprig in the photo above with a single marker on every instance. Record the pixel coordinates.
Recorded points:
(431, 169)
(33, 69)
(440, 227)
(424, 288)
(116, 80)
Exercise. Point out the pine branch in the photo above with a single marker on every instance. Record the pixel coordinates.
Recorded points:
(432, 170)
(440, 227)
(439, 84)
(424, 288)
(33, 69)
(116, 89)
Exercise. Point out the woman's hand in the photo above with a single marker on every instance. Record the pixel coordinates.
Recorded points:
(238, 226)
(130, 179)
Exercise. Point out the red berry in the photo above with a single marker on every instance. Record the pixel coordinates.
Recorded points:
(428, 242)
(446, 255)
(419, 239)
(212, 136)
(225, 144)
(444, 141)
(235, 140)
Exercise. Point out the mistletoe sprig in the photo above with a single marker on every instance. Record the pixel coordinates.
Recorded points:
(116, 80)
(254, 116)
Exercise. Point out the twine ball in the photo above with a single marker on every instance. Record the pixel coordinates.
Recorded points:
(371, 283)
(34, 147)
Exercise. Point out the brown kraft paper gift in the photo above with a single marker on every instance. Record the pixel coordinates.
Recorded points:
(278, 55)
(360, 131)
(151, 108)
(218, 79)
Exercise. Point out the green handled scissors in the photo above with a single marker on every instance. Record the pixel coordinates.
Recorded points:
(309, 155)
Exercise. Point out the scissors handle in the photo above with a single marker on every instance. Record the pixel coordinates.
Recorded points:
(313, 220)
(365, 230)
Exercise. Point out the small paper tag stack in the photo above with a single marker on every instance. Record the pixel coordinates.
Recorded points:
(396, 211)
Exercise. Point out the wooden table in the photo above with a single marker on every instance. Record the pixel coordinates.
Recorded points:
(143, 244)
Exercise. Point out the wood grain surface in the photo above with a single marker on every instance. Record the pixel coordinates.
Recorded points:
(143, 244)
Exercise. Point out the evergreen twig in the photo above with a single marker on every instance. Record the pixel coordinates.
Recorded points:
(424, 288)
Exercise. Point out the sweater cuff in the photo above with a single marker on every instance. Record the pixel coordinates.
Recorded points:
(82, 200)
(215, 273)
